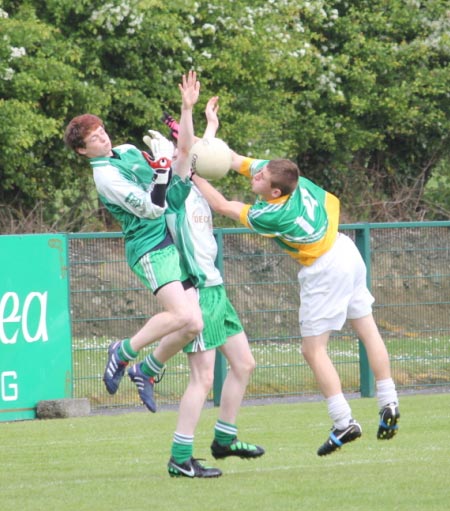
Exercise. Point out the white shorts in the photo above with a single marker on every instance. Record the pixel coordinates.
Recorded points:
(333, 289)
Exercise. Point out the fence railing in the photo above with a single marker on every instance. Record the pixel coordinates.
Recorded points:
(408, 272)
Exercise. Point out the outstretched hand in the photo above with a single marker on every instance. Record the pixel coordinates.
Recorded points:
(190, 90)
(212, 107)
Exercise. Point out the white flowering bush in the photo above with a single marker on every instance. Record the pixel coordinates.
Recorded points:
(356, 92)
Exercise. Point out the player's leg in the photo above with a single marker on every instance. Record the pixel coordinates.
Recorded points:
(201, 352)
(201, 367)
(181, 318)
(345, 428)
(120, 353)
(241, 365)
(367, 331)
(160, 272)
(176, 301)
(182, 463)
(178, 304)
(314, 350)
(325, 290)
(363, 323)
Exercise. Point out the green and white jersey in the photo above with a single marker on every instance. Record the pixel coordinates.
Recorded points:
(189, 220)
(303, 223)
(124, 183)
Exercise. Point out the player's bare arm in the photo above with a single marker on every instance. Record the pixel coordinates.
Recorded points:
(212, 107)
(190, 90)
(211, 110)
(236, 160)
(217, 202)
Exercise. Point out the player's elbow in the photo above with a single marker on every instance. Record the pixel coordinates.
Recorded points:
(153, 211)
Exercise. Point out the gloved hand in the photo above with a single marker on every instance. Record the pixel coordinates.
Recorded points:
(160, 159)
(161, 150)
(160, 167)
(168, 120)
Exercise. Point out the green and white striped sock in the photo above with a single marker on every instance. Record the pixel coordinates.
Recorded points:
(126, 352)
(151, 366)
(224, 433)
(182, 447)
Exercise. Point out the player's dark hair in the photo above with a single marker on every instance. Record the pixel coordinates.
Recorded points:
(79, 128)
(284, 175)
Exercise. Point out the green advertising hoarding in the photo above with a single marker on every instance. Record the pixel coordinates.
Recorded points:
(35, 335)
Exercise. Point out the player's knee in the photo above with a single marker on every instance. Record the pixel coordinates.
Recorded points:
(308, 350)
(244, 366)
(192, 323)
(208, 380)
(202, 379)
(250, 365)
(196, 325)
(314, 353)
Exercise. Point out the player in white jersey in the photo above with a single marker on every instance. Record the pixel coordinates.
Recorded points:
(132, 187)
(303, 219)
(190, 223)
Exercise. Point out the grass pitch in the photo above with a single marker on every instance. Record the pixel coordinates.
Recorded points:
(118, 462)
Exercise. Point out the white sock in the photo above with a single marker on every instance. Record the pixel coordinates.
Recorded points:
(386, 393)
(339, 411)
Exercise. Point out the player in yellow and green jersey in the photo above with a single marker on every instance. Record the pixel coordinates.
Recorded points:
(303, 220)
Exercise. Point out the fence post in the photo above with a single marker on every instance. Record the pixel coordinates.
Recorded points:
(220, 365)
(366, 378)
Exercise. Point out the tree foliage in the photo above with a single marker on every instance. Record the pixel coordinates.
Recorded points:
(357, 92)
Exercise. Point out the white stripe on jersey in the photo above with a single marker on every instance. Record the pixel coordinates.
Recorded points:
(148, 270)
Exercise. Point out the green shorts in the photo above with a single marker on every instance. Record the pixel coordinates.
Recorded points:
(220, 320)
(157, 268)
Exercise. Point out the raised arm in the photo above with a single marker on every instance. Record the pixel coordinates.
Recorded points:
(211, 110)
(212, 107)
(212, 119)
(189, 89)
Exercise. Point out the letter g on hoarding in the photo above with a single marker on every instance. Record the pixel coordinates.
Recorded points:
(10, 391)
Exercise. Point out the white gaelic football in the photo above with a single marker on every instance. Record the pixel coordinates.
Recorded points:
(210, 158)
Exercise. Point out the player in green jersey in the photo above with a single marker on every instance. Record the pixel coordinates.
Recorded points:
(303, 219)
(132, 186)
(190, 223)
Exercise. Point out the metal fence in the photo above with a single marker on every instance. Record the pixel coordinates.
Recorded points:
(409, 270)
